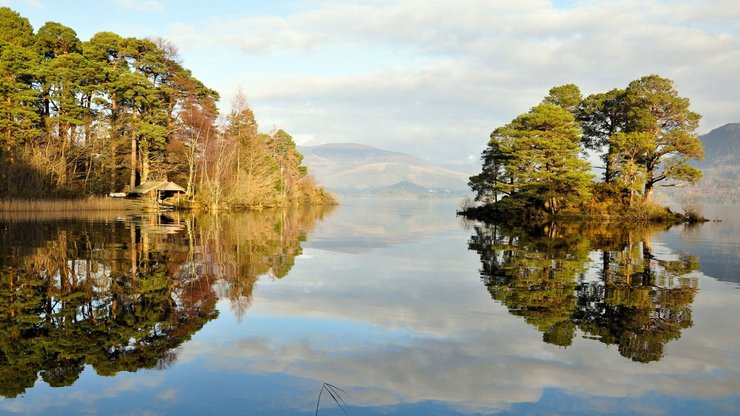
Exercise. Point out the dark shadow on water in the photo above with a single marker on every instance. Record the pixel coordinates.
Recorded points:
(601, 279)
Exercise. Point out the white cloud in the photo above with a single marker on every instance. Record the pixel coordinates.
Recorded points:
(170, 394)
(248, 35)
(434, 342)
(142, 5)
(303, 139)
(34, 4)
(434, 78)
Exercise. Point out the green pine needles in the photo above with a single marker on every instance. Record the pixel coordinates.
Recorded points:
(644, 134)
(105, 115)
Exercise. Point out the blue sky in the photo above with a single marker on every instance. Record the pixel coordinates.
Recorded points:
(429, 78)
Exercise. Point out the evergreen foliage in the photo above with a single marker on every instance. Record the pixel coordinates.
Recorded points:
(104, 115)
(645, 134)
(534, 160)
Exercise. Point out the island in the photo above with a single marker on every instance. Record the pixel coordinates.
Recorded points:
(535, 167)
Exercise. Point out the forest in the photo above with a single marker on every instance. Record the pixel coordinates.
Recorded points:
(645, 135)
(82, 118)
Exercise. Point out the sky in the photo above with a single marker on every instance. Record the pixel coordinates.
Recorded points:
(431, 78)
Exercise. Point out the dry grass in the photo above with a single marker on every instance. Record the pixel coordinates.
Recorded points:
(648, 211)
(46, 216)
(65, 205)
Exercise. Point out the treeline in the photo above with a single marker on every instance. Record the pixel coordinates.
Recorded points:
(644, 134)
(104, 115)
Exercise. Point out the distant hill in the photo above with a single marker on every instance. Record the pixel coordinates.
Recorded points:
(721, 164)
(355, 168)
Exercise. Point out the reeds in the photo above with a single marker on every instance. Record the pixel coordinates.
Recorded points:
(64, 205)
(334, 393)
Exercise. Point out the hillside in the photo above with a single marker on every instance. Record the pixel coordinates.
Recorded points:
(721, 165)
(354, 168)
(721, 146)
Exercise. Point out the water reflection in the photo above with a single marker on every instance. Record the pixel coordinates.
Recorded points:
(716, 243)
(603, 280)
(123, 294)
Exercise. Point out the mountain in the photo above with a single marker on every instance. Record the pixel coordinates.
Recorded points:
(721, 146)
(721, 165)
(355, 168)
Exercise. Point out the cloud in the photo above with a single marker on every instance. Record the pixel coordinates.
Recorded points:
(170, 394)
(142, 5)
(120, 386)
(84, 400)
(441, 354)
(247, 35)
(434, 78)
(424, 328)
(34, 4)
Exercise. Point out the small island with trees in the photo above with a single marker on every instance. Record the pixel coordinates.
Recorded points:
(534, 166)
(103, 116)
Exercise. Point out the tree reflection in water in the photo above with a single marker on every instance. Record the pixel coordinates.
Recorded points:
(120, 295)
(603, 280)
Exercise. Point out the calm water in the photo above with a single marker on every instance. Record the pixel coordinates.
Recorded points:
(398, 303)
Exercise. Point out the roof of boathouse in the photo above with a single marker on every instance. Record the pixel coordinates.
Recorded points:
(149, 186)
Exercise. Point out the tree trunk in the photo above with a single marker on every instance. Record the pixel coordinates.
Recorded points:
(191, 176)
(112, 137)
(649, 188)
(134, 258)
(649, 182)
(113, 165)
(132, 178)
(62, 180)
(606, 266)
(608, 171)
(647, 256)
(144, 165)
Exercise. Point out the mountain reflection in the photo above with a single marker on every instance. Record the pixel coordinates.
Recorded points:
(120, 295)
(603, 280)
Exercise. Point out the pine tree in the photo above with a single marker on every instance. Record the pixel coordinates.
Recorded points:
(655, 108)
(539, 153)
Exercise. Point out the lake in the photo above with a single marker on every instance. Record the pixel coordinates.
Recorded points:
(398, 303)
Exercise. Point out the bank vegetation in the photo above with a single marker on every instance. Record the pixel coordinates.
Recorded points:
(91, 118)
